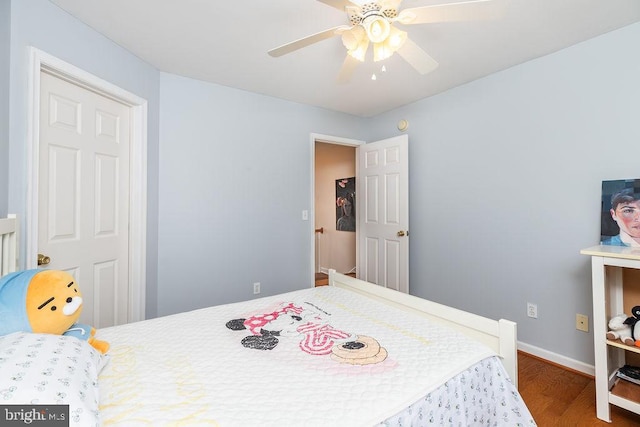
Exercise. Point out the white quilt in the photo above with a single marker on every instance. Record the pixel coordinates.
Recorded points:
(317, 357)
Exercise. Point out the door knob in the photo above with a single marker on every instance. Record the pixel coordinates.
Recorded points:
(402, 233)
(43, 259)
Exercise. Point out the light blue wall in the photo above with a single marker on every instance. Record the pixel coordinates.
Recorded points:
(505, 181)
(235, 175)
(43, 25)
(5, 38)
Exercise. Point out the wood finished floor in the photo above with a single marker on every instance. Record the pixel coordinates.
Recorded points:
(559, 397)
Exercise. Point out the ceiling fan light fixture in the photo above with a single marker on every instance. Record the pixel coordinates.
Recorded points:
(377, 28)
(386, 49)
(352, 38)
(396, 38)
(360, 50)
(381, 52)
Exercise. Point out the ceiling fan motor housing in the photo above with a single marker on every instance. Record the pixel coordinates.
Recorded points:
(357, 15)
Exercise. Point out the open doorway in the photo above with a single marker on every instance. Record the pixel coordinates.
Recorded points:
(381, 208)
(334, 172)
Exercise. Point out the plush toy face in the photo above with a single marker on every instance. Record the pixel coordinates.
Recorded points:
(54, 302)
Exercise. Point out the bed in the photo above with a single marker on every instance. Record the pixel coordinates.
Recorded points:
(348, 354)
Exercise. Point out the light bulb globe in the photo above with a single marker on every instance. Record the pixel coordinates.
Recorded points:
(377, 28)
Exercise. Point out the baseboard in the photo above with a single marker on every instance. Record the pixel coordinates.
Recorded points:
(558, 359)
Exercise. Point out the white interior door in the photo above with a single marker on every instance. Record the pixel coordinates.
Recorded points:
(383, 212)
(83, 194)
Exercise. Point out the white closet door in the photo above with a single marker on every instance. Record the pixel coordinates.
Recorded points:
(84, 195)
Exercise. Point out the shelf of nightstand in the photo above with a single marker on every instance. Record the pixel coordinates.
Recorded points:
(620, 344)
(625, 394)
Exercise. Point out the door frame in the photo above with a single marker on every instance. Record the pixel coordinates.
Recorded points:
(42, 61)
(336, 140)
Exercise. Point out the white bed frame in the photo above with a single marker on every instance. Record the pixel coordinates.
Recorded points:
(499, 335)
(8, 244)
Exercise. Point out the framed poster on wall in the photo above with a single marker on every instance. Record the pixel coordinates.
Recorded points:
(346, 204)
(620, 215)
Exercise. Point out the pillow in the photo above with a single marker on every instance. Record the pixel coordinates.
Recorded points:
(40, 369)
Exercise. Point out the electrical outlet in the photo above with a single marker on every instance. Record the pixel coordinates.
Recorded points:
(256, 288)
(582, 322)
(532, 310)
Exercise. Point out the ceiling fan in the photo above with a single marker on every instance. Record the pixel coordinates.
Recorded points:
(373, 23)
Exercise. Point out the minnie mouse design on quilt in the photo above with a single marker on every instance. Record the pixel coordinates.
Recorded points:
(319, 338)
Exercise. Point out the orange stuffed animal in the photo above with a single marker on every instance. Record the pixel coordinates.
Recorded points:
(44, 301)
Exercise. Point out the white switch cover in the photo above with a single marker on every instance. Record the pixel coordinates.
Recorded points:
(305, 215)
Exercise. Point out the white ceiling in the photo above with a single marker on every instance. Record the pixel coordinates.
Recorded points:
(226, 42)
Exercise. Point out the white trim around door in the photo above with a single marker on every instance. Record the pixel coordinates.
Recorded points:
(317, 137)
(138, 162)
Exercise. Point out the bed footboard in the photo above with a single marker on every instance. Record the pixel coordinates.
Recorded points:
(499, 335)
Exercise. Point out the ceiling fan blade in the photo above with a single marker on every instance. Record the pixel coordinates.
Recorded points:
(394, 4)
(338, 4)
(348, 66)
(416, 57)
(306, 41)
(474, 10)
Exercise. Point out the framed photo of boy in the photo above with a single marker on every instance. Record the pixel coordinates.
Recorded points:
(620, 216)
